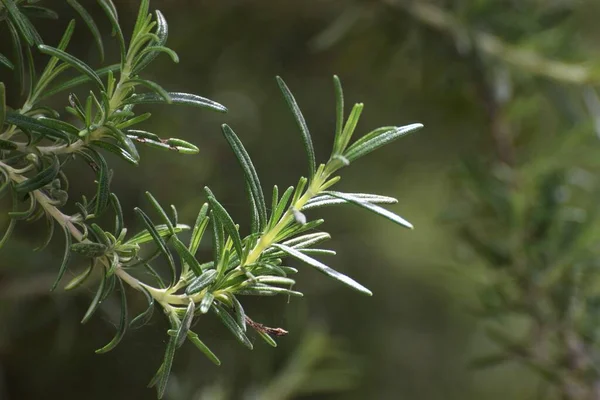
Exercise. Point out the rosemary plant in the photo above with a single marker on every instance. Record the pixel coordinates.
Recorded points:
(36, 142)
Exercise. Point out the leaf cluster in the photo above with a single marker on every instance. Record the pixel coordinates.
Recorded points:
(36, 142)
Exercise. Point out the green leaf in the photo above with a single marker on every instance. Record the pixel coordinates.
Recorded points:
(122, 328)
(119, 220)
(206, 302)
(199, 229)
(50, 71)
(323, 200)
(74, 62)
(162, 32)
(152, 140)
(349, 128)
(17, 47)
(111, 12)
(40, 179)
(275, 280)
(376, 139)
(59, 125)
(201, 282)
(2, 106)
(96, 300)
(89, 249)
(81, 278)
(254, 216)
(278, 211)
(324, 268)
(161, 212)
(339, 112)
(6, 62)
(163, 230)
(87, 18)
(218, 236)
(21, 22)
(186, 256)
(13, 221)
(158, 239)
(166, 367)
(186, 322)
(267, 338)
(176, 98)
(228, 224)
(193, 337)
(143, 318)
(133, 121)
(140, 21)
(307, 240)
(113, 148)
(79, 80)
(155, 87)
(240, 314)
(124, 140)
(266, 290)
(65, 260)
(181, 146)
(103, 182)
(371, 207)
(27, 214)
(40, 12)
(36, 125)
(157, 49)
(306, 139)
(249, 173)
(232, 325)
(296, 229)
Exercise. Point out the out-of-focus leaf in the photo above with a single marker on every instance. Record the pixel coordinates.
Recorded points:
(96, 300)
(87, 18)
(40, 179)
(111, 12)
(66, 256)
(6, 62)
(122, 328)
(81, 278)
(143, 318)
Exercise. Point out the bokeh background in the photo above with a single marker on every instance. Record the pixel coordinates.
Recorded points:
(448, 64)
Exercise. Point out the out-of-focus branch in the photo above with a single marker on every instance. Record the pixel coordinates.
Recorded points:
(491, 45)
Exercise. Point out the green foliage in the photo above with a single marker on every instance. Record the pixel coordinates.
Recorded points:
(37, 142)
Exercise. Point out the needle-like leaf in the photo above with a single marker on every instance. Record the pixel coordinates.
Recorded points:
(306, 139)
(319, 266)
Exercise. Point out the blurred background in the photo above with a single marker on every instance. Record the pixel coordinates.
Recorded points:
(501, 81)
